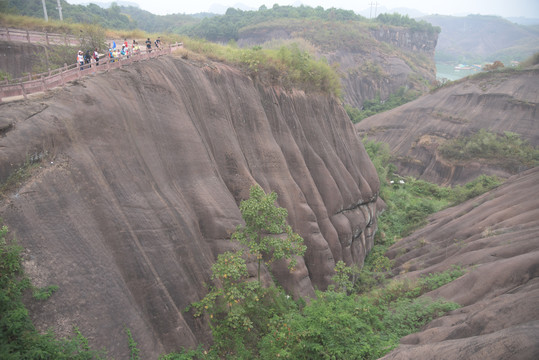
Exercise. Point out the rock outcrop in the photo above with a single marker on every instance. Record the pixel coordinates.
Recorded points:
(17, 58)
(372, 62)
(498, 102)
(494, 237)
(140, 174)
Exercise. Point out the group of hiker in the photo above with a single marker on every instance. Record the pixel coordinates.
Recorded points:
(115, 53)
(90, 57)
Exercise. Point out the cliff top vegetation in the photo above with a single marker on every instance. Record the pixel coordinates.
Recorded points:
(235, 22)
(209, 26)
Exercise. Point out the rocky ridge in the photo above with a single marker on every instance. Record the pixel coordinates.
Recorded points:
(494, 237)
(497, 102)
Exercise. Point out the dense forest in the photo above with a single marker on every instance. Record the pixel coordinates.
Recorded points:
(222, 28)
(108, 18)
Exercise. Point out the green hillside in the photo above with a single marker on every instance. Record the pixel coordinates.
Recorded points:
(234, 22)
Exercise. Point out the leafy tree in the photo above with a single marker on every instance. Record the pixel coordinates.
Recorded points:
(403, 20)
(345, 277)
(239, 309)
(92, 37)
(265, 232)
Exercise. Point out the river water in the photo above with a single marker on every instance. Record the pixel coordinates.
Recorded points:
(447, 71)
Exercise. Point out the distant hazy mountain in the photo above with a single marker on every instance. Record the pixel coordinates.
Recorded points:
(479, 38)
(524, 21)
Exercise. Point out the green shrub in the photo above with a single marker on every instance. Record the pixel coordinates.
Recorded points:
(340, 326)
(287, 65)
(375, 106)
(507, 150)
(476, 187)
(403, 20)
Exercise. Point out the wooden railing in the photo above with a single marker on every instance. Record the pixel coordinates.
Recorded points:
(34, 83)
(36, 37)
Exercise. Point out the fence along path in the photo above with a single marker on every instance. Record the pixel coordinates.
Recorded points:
(34, 83)
(36, 37)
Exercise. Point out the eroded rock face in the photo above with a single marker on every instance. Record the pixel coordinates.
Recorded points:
(497, 102)
(494, 237)
(17, 58)
(145, 168)
(368, 66)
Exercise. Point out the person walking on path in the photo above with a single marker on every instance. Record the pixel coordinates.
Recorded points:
(96, 57)
(149, 45)
(80, 59)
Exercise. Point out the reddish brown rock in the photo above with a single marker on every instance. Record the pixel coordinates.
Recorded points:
(143, 170)
(494, 237)
(497, 102)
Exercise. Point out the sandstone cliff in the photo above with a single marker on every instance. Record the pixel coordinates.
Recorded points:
(17, 58)
(372, 62)
(498, 102)
(142, 172)
(494, 236)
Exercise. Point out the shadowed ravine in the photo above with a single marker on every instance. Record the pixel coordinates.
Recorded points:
(139, 190)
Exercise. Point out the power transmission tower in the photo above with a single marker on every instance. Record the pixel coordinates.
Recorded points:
(60, 10)
(45, 10)
(375, 9)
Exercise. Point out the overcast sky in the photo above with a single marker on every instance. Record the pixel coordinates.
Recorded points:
(505, 8)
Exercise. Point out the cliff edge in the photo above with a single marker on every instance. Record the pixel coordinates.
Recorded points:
(138, 177)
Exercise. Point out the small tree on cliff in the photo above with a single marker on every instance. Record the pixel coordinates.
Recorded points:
(240, 309)
(265, 232)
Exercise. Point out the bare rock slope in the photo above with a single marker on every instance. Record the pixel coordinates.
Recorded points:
(498, 102)
(142, 170)
(494, 237)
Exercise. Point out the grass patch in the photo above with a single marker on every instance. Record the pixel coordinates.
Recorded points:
(507, 150)
(375, 106)
(18, 177)
(288, 65)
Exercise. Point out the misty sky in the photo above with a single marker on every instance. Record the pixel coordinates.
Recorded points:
(505, 8)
